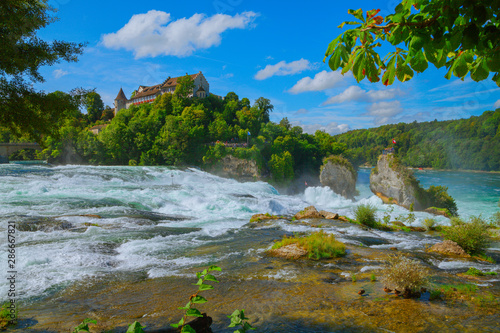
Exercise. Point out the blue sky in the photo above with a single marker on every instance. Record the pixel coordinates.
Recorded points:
(254, 48)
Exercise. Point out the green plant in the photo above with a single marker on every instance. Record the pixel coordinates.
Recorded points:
(6, 317)
(495, 219)
(196, 299)
(135, 327)
(318, 245)
(238, 318)
(84, 326)
(365, 214)
(354, 278)
(429, 224)
(387, 214)
(476, 272)
(405, 274)
(435, 294)
(472, 236)
(373, 278)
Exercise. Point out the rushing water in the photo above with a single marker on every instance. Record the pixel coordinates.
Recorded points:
(151, 217)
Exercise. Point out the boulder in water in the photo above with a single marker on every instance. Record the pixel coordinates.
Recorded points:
(45, 224)
(339, 174)
(329, 215)
(308, 213)
(449, 247)
(291, 251)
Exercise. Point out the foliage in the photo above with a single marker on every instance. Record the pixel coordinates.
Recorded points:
(319, 245)
(472, 235)
(196, 299)
(84, 326)
(437, 196)
(403, 273)
(23, 109)
(373, 278)
(6, 316)
(94, 106)
(365, 214)
(470, 144)
(238, 319)
(463, 35)
(429, 224)
(476, 272)
(281, 167)
(495, 219)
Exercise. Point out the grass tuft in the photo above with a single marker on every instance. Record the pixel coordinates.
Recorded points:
(319, 245)
(365, 214)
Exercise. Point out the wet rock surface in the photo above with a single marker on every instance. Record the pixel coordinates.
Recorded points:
(449, 247)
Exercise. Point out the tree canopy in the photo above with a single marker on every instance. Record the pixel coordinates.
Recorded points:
(462, 35)
(23, 109)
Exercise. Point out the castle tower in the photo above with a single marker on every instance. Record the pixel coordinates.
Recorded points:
(120, 101)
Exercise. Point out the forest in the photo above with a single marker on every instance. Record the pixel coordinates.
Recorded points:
(186, 131)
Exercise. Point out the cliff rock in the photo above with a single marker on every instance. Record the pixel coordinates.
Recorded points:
(237, 168)
(339, 174)
(394, 183)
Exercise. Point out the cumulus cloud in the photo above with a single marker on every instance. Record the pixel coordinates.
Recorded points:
(282, 68)
(154, 33)
(332, 128)
(322, 81)
(384, 112)
(355, 93)
(59, 73)
(497, 104)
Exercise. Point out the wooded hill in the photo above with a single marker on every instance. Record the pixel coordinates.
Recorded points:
(469, 144)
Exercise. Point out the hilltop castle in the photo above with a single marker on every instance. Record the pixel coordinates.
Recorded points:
(148, 94)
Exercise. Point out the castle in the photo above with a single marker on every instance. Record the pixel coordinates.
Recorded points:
(148, 94)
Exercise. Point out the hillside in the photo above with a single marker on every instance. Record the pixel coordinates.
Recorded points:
(470, 144)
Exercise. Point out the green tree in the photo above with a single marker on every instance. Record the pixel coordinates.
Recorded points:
(265, 107)
(94, 105)
(463, 35)
(23, 109)
(185, 86)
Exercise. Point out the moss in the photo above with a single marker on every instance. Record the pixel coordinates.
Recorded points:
(476, 272)
(318, 245)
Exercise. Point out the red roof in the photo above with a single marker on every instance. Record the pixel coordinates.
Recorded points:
(169, 82)
(121, 95)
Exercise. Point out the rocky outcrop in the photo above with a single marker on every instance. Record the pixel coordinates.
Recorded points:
(338, 174)
(292, 251)
(329, 215)
(308, 213)
(237, 168)
(449, 247)
(394, 183)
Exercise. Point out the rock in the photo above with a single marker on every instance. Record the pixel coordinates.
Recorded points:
(45, 224)
(339, 174)
(291, 251)
(343, 218)
(450, 248)
(237, 168)
(394, 183)
(438, 211)
(308, 213)
(263, 217)
(329, 215)
(417, 229)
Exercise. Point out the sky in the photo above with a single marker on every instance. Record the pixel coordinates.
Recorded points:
(255, 48)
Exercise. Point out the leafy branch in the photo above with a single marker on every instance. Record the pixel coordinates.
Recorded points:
(238, 319)
(196, 299)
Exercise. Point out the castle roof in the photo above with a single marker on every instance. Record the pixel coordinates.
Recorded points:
(121, 95)
(168, 83)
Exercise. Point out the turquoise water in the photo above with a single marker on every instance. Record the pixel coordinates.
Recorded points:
(152, 217)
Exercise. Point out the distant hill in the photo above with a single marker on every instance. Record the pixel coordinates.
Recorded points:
(471, 144)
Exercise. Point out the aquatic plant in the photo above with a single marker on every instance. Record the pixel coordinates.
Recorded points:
(365, 214)
(476, 272)
(318, 245)
(196, 299)
(84, 325)
(472, 236)
(405, 274)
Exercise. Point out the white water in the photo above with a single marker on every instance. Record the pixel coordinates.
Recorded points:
(123, 241)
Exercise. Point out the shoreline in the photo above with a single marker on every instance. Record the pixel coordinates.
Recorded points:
(439, 170)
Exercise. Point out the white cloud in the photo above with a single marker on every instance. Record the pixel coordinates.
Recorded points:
(282, 68)
(59, 73)
(322, 81)
(301, 111)
(384, 112)
(355, 93)
(154, 33)
(497, 104)
(332, 128)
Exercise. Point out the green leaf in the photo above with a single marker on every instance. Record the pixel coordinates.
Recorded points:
(347, 22)
(200, 281)
(418, 62)
(214, 268)
(205, 287)
(187, 329)
(180, 323)
(460, 66)
(204, 272)
(210, 277)
(390, 72)
(136, 327)
(416, 44)
(199, 299)
(193, 313)
(493, 62)
(496, 79)
(357, 14)
(358, 66)
(331, 47)
(480, 71)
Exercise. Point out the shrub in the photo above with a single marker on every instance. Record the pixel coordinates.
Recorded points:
(495, 219)
(437, 196)
(318, 245)
(365, 214)
(404, 274)
(472, 236)
(429, 224)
